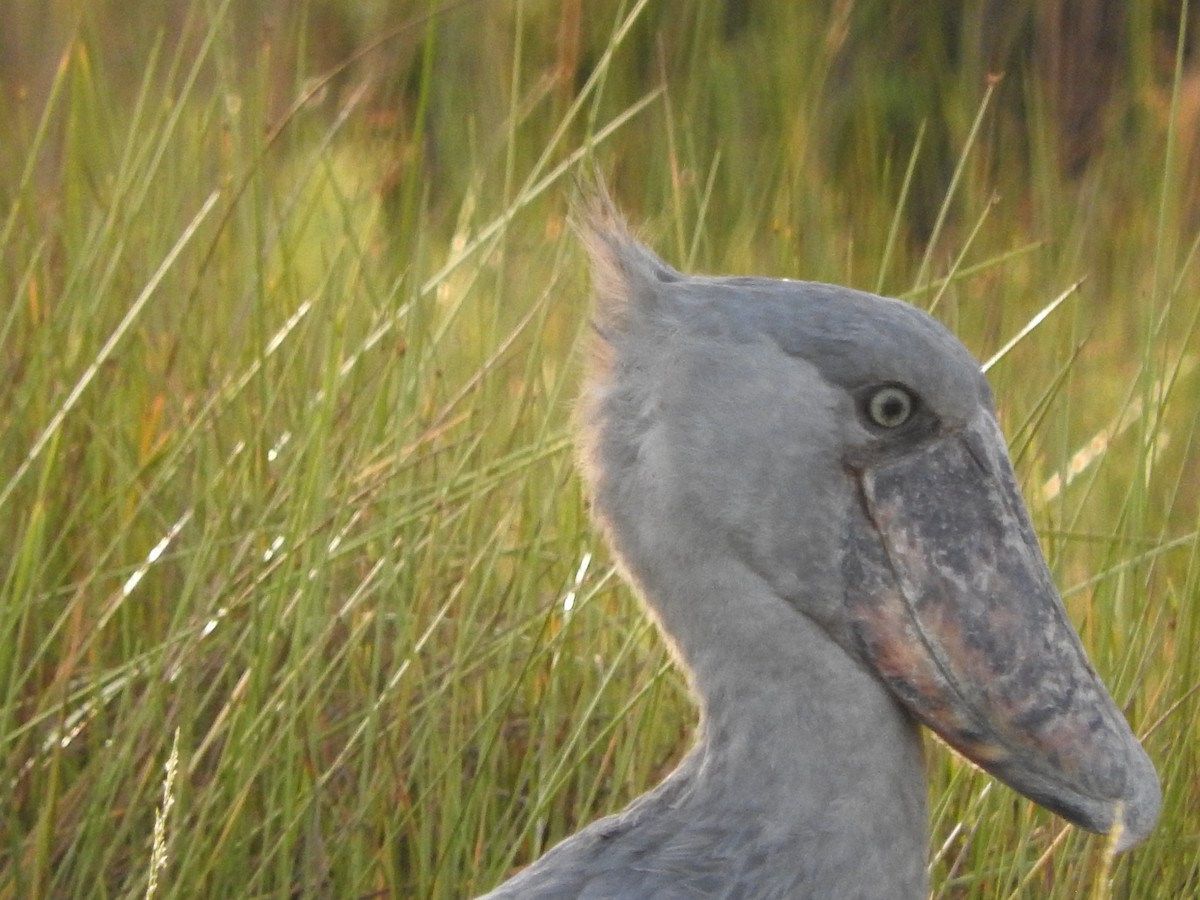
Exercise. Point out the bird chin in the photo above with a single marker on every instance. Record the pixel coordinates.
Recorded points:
(951, 603)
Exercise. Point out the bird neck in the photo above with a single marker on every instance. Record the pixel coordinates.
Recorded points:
(796, 735)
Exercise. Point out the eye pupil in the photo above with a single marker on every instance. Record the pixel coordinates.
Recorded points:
(890, 406)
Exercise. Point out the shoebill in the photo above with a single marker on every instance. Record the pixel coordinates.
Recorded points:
(808, 488)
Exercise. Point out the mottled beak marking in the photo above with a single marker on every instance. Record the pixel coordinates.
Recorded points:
(955, 609)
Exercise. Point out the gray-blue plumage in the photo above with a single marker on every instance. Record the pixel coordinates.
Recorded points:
(807, 487)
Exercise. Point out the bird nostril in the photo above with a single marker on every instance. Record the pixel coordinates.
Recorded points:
(975, 449)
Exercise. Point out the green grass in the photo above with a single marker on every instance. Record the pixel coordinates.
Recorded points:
(286, 476)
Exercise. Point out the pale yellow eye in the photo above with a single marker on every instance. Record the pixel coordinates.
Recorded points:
(890, 406)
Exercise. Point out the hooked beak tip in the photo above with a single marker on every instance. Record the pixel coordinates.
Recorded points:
(1136, 814)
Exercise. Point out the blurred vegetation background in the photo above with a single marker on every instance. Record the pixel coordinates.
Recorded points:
(300, 595)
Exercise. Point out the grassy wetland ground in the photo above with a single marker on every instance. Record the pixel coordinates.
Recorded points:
(300, 596)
